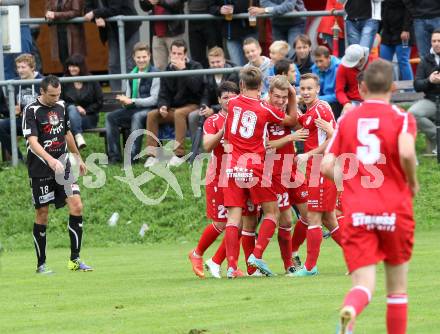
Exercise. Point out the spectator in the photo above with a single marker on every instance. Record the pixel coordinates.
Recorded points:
(396, 36)
(83, 99)
(288, 68)
(347, 90)
(164, 32)
(252, 51)
(426, 15)
(279, 50)
(283, 28)
(428, 81)
(325, 28)
(362, 21)
(26, 38)
(234, 31)
(140, 97)
(302, 57)
(202, 35)
(66, 39)
(209, 102)
(24, 94)
(4, 110)
(325, 68)
(98, 10)
(178, 97)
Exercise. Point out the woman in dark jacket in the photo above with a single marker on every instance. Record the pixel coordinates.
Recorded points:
(396, 36)
(83, 99)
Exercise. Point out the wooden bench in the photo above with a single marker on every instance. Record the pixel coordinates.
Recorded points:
(405, 93)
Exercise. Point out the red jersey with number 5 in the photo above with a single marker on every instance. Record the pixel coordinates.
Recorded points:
(368, 135)
(212, 126)
(246, 129)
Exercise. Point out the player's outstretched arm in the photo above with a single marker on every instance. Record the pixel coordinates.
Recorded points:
(299, 135)
(407, 154)
(71, 145)
(328, 166)
(291, 118)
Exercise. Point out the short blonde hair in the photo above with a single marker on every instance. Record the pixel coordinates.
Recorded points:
(216, 52)
(26, 58)
(279, 82)
(280, 47)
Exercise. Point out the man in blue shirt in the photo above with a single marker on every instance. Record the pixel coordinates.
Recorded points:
(325, 67)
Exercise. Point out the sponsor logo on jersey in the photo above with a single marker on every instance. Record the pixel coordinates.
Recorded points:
(53, 144)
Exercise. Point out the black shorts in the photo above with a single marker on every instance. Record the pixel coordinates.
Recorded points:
(47, 190)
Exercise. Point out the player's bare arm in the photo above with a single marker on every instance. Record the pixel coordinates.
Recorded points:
(71, 145)
(291, 118)
(211, 141)
(407, 154)
(328, 166)
(325, 126)
(53, 163)
(299, 135)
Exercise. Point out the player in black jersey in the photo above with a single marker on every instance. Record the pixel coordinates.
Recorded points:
(46, 127)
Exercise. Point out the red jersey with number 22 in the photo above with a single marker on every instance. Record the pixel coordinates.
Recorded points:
(370, 133)
(246, 129)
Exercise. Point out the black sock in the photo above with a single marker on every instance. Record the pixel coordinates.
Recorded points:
(39, 234)
(75, 234)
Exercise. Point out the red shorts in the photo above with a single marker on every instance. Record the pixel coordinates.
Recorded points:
(282, 193)
(236, 195)
(299, 194)
(322, 197)
(215, 207)
(364, 245)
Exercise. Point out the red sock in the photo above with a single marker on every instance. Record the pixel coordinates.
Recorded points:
(299, 234)
(266, 232)
(209, 235)
(285, 243)
(358, 297)
(220, 254)
(248, 244)
(397, 313)
(314, 239)
(336, 235)
(232, 245)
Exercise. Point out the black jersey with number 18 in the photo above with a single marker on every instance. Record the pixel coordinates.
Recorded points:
(50, 125)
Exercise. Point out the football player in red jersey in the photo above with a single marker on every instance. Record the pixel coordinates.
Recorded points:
(378, 139)
(215, 210)
(321, 192)
(245, 129)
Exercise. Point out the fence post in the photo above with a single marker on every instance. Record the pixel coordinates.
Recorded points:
(121, 39)
(2, 69)
(13, 121)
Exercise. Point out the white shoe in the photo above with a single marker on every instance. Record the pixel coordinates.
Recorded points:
(80, 142)
(213, 268)
(434, 151)
(151, 161)
(257, 273)
(175, 161)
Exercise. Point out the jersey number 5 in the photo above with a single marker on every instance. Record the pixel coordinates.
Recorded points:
(248, 122)
(369, 153)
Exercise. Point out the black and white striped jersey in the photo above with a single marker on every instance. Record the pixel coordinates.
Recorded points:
(50, 125)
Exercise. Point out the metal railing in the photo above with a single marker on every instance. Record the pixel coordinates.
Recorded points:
(121, 38)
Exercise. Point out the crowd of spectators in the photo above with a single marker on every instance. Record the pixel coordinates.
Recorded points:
(183, 101)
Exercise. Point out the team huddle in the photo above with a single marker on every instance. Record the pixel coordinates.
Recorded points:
(357, 179)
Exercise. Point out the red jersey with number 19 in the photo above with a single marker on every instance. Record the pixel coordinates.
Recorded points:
(246, 129)
(369, 133)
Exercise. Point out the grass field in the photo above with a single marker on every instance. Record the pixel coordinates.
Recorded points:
(151, 289)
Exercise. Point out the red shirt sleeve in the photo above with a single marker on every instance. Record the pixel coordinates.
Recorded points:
(274, 115)
(209, 127)
(341, 81)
